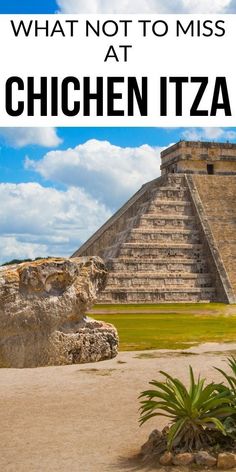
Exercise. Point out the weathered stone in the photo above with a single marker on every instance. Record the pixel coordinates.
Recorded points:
(42, 313)
(153, 439)
(184, 458)
(155, 435)
(166, 458)
(156, 444)
(205, 459)
(199, 157)
(226, 461)
(214, 197)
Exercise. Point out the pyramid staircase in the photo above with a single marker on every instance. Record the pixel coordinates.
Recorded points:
(156, 253)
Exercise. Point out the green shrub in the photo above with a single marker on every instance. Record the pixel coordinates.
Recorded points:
(231, 379)
(192, 412)
(230, 422)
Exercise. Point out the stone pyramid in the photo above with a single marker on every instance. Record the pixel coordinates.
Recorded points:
(175, 239)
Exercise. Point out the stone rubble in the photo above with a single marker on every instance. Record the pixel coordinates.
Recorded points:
(184, 458)
(155, 449)
(205, 459)
(166, 458)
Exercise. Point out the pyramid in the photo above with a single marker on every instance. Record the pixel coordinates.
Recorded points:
(175, 239)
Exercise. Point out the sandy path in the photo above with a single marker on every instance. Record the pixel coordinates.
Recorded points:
(85, 418)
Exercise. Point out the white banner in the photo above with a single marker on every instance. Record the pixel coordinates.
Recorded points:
(118, 70)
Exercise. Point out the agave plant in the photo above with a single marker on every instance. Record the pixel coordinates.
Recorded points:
(231, 379)
(230, 421)
(192, 412)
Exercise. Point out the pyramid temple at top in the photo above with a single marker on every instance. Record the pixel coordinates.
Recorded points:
(175, 239)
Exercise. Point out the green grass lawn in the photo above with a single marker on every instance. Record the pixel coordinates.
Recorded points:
(169, 326)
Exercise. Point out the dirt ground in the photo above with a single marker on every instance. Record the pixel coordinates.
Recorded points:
(84, 418)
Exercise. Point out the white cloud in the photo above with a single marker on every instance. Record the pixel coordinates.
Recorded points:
(143, 6)
(97, 176)
(205, 6)
(198, 134)
(40, 221)
(11, 248)
(20, 137)
(107, 172)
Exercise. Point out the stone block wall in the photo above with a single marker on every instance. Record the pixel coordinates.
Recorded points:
(217, 194)
(193, 157)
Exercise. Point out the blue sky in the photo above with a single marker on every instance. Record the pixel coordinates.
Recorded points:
(57, 186)
(28, 6)
(19, 145)
(12, 156)
(118, 6)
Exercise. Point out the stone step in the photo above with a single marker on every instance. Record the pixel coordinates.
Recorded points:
(170, 193)
(147, 279)
(162, 207)
(168, 264)
(170, 188)
(163, 235)
(161, 245)
(157, 295)
(143, 235)
(154, 249)
(133, 299)
(160, 287)
(176, 203)
(162, 231)
(165, 221)
(154, 276)
(169, 217)
(150, 288)
(175, 179)
(159, 250)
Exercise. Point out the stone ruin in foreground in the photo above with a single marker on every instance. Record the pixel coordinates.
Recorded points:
(43, 307)
(175, 239)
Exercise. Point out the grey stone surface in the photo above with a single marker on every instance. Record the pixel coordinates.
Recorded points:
(205, 459)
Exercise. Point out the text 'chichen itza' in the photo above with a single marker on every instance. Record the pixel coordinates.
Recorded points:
(175, 239)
